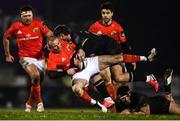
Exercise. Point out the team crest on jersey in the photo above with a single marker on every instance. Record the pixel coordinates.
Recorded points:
(113, 33)
(68, 48)
(63, 59)
(35, 29)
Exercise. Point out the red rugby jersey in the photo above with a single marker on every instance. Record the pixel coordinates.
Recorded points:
(114, 30)
(61, 60)
(29, 38)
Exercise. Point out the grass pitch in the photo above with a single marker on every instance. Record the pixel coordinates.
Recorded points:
(76, 114)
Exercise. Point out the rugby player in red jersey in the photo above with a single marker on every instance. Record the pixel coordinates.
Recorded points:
(60, 57)
(107, 26)
(29, 33)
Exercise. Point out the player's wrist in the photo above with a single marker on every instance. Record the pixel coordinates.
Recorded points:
(7, 54)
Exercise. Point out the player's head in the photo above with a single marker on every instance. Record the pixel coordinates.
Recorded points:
(123, 98)
(124, 93)
(106, 10)
(62, 31)
(26, 14)
(54, 44)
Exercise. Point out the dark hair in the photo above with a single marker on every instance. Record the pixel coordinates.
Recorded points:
(26, 8)
(122, 91)
(107, 5)
(61, 29)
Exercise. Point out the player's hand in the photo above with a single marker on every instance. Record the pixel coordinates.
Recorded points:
(80, 54)
(125, 111)
(72, 71)
(77, 62)
(10, 58)
(47, 46)
(60, 70)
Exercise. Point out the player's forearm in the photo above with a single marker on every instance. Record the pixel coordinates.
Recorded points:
(6, 46)
(49, 36)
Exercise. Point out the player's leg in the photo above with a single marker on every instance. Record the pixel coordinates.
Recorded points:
(118, 74)
(106, 75)
(174, 108)
(134, 76)
(109, 60)
(35, 85)
(34, 73)
(99, 83)
(167, 80)
(78, 88)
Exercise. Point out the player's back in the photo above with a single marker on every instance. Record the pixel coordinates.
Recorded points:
(159, 105)
(99, 44)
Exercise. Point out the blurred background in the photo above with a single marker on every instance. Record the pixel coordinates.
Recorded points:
(146, 25)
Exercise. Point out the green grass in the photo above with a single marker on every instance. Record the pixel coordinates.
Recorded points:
(76, 114)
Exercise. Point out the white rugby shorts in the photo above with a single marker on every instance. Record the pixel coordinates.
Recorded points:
(40, 64)
(91, 68)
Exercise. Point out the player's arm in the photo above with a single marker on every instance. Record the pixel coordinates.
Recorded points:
(145, 109)
(126, 47)
(6, 39)
(124, 43)
(122, 38)
(45, 30)
(125, 111)
(80, 54)
(52, 74)
(59, 73)
(49, 34)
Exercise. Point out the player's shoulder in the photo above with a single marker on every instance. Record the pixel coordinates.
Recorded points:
(17, 23)
(97, 23)
(36, 20)
(116, 23)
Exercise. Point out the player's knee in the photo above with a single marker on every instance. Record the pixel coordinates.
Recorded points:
(36, 81)
(119, 58)
(34, 75)
(77, 89)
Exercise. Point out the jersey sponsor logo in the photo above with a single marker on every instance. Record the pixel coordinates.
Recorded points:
(29, 38)
(28, 35)
(35, 29)
(113, 33)
(19, 32)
